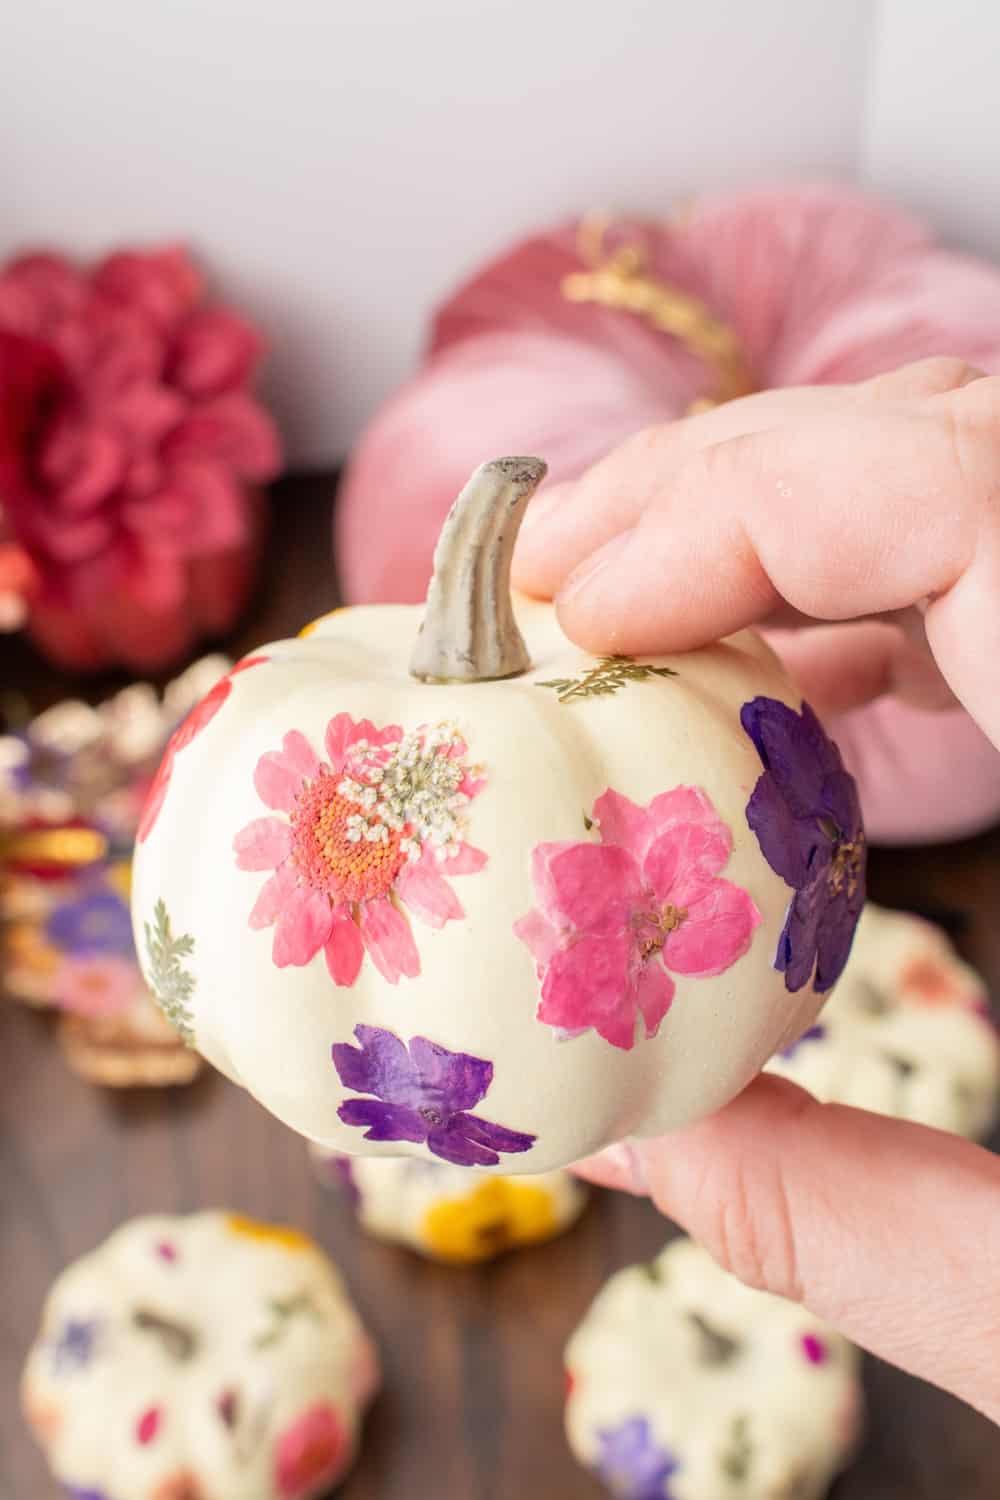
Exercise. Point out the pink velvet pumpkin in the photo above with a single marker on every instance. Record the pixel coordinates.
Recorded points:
(802, 285)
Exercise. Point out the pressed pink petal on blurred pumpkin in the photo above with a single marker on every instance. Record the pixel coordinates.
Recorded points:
(131, 454)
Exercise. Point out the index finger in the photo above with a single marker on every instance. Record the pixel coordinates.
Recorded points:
(897, 505)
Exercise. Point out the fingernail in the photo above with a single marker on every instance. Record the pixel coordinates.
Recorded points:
(626, 1162)
(584, 576)
(544, 506)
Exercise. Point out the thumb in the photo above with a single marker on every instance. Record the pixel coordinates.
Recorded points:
(888, 1231)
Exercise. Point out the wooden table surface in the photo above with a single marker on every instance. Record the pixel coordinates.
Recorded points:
(471, 1408)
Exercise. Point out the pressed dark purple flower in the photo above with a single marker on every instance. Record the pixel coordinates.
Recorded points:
(422, 1094)
(75, 1493)
(807, 818)
(814, 1034)
(632, 1464)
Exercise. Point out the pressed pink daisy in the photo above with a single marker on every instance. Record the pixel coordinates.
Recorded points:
(375, 827)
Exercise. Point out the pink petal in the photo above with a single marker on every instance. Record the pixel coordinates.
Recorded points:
(280, 773)
(590, 887)
(232, 431)
(81, 462)
(389, 940)
(144, 412)
(274, 893)
(588, 985)
(539, 936)
(654, 994)
(299, 754)
(683, 804)
(344, 947)
(214, 350)
(717, 931)
(337, 739)
(427, 894)
(622, 822)
(685, 853)
(304, 925)
(466, 862)
(342, 732)
(211, 504)
(263, 844)
(163, 284)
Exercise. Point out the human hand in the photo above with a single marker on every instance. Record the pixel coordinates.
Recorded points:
(816, 505)
(864, 523)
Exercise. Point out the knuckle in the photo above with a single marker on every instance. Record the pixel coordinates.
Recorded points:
(933, 376)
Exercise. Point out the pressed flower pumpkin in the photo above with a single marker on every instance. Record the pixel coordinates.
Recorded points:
(684, 1384)
(190, 1358)
(908, 1032)
(495, 902)
(449, 1214)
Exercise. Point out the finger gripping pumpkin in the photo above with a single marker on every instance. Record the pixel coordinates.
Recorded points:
(496, 902)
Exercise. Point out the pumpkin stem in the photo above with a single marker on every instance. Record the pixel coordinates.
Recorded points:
(469, 633)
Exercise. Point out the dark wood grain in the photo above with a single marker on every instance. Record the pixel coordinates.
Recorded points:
(471, 1408)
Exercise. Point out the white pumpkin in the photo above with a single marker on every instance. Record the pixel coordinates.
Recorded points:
(500, 902)
(906, 1033)
(194, 1357)
(449, 1213)
(684, 1383)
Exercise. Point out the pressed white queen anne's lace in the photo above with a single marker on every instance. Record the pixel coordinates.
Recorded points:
(412, 787)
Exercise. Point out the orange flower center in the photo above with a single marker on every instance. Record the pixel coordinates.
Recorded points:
(338, 849)
(654, 927)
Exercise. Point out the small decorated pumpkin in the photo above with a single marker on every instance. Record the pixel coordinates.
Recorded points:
(448, 1213)
(907, 1032)
(199, 1357)
(494, 901)
(684, 1384)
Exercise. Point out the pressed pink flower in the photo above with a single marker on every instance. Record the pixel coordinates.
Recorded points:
(614, 917)
(375, 827)
(311, 1453)
(130, 453)
(96, 985)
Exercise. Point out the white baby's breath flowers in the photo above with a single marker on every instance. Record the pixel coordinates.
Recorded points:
(412, 784)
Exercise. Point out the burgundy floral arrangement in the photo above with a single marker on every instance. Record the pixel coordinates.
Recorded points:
(131, 457)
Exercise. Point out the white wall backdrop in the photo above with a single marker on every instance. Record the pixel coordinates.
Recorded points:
(338, 163)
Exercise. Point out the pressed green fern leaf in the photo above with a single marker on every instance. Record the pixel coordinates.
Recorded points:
(171, 983)
(609, 675)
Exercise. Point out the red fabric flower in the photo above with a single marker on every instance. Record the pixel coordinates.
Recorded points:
(201, 715)
(130, 449)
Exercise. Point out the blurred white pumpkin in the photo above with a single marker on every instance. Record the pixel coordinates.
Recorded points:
(188, 1358)
(684, 1383)
(448, 1213)
(500, 902)
(906, 1033)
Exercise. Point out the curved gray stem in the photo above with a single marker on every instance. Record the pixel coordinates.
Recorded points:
(469, 633)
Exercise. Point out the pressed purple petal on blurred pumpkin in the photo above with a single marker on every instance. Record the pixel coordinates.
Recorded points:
(131, 455)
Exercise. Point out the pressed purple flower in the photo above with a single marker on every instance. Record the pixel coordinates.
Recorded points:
(75, 1493)
(98, 921)
(422, 1093)
(74, 1347)
(814, 1034)
(632, 1464)
(807, 818)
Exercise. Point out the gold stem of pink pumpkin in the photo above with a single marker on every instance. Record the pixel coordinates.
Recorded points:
(469, 633)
